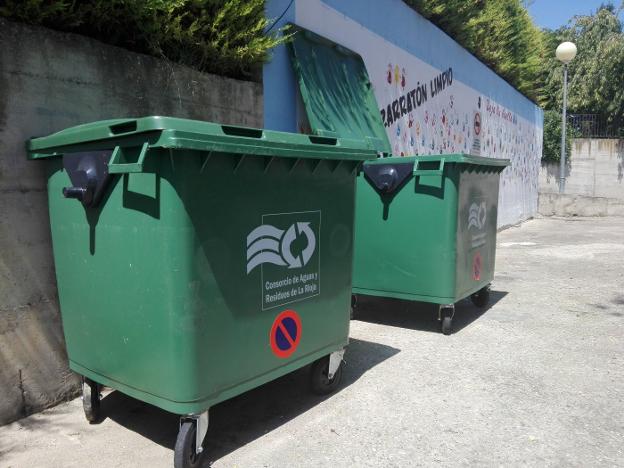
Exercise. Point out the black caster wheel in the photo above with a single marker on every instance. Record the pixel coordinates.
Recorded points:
(481, 298)
(184, 454)
(353, 306)
(446, 324)
(320, 383)
(91, 400)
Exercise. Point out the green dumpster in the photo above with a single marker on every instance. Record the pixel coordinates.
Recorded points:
(426, 225)
(426, 229)
(199, 260)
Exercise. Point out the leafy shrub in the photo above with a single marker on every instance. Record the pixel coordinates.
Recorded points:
(552, 137)
(225, 37)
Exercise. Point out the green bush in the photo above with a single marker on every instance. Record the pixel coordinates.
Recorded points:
(552, 137)
(225, 37)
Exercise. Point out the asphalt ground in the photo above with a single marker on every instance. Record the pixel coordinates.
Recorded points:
(535, 379)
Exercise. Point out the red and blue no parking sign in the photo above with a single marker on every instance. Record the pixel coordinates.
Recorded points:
(477, 265)
(285, 333)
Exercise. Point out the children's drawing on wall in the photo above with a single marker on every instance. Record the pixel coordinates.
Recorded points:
(428, 112)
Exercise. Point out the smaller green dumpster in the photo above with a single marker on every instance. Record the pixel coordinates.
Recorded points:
(426, 230)
(425, 226)
(196, 261)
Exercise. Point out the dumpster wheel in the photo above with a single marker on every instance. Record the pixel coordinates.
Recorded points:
(91, 400)
(187, 453)
(320, 382)
(354, 303)
(446, 313)
(482, 297)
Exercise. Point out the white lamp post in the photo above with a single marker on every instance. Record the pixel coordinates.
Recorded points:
(565, 53)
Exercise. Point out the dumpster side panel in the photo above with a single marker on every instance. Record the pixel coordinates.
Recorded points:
(123, 273)
(476, 228)
(405, 246)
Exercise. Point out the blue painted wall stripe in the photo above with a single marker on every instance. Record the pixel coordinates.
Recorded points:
(280, 87)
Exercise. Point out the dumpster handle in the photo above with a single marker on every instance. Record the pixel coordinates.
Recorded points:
(114, 167)
(429, 172)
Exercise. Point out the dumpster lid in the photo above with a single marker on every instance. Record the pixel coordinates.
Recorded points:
(460, 158)
(456, 158)
(336, 90)
(175, 133)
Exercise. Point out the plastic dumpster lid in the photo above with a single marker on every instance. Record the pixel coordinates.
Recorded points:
(442, 159)
(462, 158)
(336, 90)
(175, 133)
(456, 158)
(337, 94)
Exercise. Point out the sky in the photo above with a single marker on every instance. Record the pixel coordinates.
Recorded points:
(554, 13)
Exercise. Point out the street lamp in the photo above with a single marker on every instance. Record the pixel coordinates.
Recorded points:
(565, 53)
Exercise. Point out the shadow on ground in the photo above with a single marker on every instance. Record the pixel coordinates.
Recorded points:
(241, 420)
(419, 315)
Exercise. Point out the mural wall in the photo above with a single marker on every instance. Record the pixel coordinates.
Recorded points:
(433, 96)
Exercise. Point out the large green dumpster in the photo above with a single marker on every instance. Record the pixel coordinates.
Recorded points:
(199, 260)
(426, 229)
(425, 226)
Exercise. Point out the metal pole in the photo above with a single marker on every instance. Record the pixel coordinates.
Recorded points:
(562, 161)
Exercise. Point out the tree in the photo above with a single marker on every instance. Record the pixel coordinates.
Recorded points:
(551, 150)
(596, 75)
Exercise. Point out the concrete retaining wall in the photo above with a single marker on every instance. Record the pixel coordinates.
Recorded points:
(555, 204)
(594, 181)
(49, 81)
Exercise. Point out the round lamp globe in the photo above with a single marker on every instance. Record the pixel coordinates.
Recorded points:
(566, 51)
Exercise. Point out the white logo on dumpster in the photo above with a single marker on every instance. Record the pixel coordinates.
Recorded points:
(477, 215)
(268, 244)
(286, 247)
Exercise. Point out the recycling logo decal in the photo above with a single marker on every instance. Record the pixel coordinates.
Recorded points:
(268, 244)
(477, 215)
(284, 248)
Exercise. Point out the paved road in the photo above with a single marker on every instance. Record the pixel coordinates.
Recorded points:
(538, 379)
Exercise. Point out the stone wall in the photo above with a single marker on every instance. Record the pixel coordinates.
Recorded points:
(50, 81)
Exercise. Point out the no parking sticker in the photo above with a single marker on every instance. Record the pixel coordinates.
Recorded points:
(285, 333)
(476, 267)
(477, 123)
